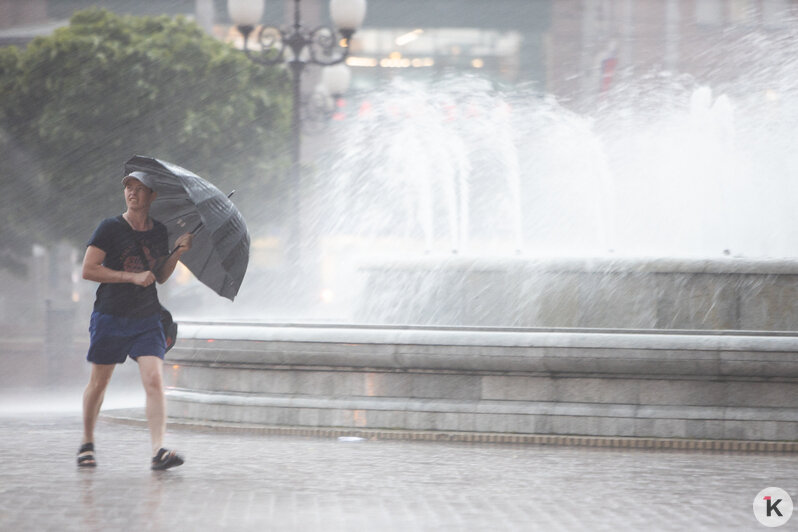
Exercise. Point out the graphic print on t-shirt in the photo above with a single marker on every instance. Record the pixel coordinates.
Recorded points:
(132, 258)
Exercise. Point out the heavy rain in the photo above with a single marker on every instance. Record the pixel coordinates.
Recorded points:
(532, 222)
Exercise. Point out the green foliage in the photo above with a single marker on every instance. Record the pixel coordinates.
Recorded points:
(19, 199)
(79, 103)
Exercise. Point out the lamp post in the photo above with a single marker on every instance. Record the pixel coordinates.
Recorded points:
(297, 47)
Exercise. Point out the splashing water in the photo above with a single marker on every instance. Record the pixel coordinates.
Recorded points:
(464, 167)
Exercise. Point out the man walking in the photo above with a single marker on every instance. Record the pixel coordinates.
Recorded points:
(122, 256)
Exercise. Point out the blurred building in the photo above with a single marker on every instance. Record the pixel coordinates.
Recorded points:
(409, 38)
(21, 21)
(595, 45)
(15, 14)
(573, 49)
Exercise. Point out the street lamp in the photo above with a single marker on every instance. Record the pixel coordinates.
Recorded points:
(297, 47)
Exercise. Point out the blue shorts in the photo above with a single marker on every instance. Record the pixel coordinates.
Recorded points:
(114, 338)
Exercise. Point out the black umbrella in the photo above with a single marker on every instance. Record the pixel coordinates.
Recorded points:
(187, 203)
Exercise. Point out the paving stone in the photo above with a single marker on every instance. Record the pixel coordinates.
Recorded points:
(247, 481)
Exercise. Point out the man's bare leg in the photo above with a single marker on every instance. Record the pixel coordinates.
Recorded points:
(151, 369)
(93, 397)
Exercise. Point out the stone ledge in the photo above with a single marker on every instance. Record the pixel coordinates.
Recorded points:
(545, 352)
(611, 264)
(741, 341)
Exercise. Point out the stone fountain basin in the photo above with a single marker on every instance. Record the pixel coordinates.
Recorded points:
(608, 292)
(699, 385)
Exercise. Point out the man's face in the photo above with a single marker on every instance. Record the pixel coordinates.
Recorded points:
(137, 195)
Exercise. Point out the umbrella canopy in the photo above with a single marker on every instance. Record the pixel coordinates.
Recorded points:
(220, 252)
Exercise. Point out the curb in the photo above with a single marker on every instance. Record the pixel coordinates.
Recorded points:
(136, 417)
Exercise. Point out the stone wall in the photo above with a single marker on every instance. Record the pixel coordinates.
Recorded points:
(692, 294)
(653, 385)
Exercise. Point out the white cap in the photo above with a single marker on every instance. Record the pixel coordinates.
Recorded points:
(146, 179)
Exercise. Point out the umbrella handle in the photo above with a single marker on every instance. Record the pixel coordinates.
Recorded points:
(164, 259)
(196, 228)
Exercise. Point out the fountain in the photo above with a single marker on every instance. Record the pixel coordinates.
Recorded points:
(505, 209)
(507, 266)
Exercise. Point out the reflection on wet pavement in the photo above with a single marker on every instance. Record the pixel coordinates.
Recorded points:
(258, 482)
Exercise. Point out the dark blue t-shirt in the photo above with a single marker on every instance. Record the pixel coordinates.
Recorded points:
(123, 248)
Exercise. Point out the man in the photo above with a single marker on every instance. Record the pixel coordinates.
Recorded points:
(121, 256)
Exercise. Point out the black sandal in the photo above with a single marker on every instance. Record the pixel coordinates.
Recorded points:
(86, 455)
(166, 459)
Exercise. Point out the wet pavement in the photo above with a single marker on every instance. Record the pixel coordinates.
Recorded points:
(241, 482)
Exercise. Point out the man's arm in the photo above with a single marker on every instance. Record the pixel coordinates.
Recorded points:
(182, 244)
(93, 270)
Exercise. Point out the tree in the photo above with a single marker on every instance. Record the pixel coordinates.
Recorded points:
(79, 103)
